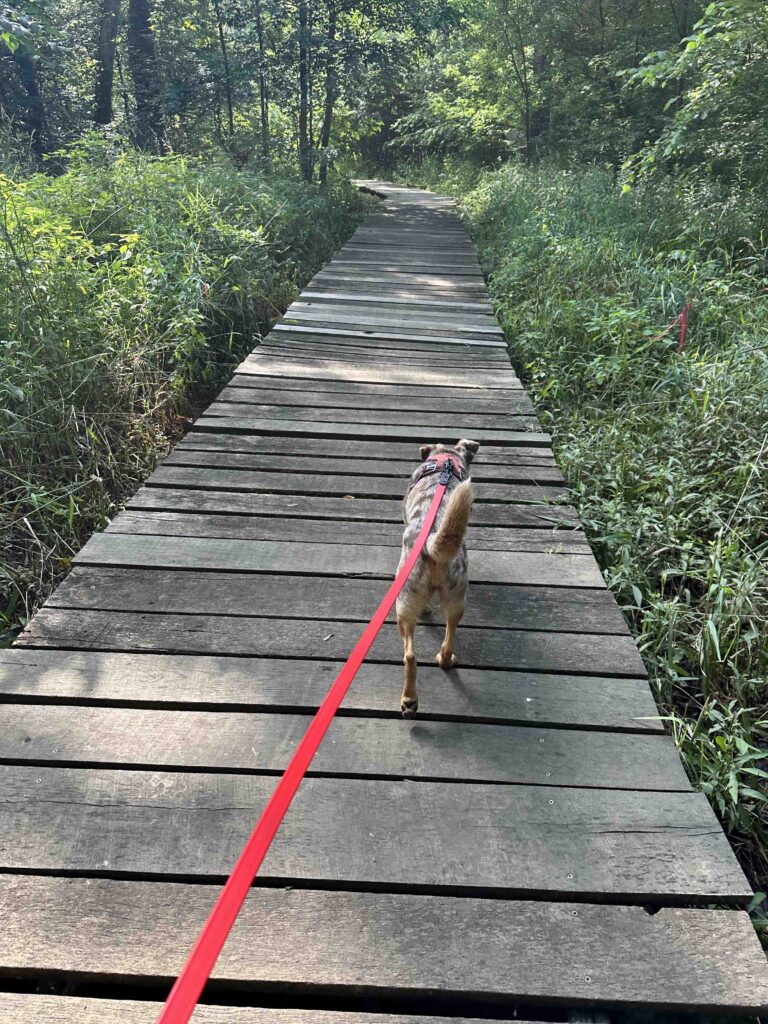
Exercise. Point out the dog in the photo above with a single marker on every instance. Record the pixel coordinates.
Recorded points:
(442, 567)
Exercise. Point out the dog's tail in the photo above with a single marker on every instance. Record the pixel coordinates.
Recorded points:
(443, 545)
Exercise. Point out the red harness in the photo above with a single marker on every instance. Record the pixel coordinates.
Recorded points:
(448, 464)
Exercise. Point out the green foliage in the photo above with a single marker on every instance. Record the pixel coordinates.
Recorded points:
(665, 453)
(129, 287)
(717, 84)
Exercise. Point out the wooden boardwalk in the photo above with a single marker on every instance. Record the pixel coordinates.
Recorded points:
(529, 847)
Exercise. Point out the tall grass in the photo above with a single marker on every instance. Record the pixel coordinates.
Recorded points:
(129, 286)
(666, 452)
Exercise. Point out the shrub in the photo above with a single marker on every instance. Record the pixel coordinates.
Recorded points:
(129, 287)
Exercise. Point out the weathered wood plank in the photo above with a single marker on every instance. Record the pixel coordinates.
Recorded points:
(258, 743)
(518, 567)
(467, 426)
(18, 1008)
(372, 397)
(414, 325)
(693, 960)
(237, 527)
(267, 684)
(400, 314)
(356, 299)
(359, 450)
(555, 609)
(312, 464)
(170, 474)
(359, 346)
(418, 433)
(359, 340)
(361, 353)
(344, 508)
(397, 287)
(327, 639)
(258, 364)
(536, 840)
(443, 267)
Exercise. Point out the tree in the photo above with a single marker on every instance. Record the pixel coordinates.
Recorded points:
(142, 60)
(331, 89)
(225, 64)
(305, 143)
(262, 66)
(105, 61)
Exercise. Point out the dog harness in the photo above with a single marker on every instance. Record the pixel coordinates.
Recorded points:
(445, 463)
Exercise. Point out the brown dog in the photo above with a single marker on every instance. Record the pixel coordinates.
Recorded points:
(442, 567)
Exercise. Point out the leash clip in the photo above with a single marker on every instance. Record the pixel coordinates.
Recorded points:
(446, 472)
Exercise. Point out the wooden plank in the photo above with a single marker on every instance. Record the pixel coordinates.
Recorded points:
(256, 365)
(692, 960)
(344, 341)
(418, 433)
(238, 527)
(540, 841)
(446, 352)
(269, 393)
(261, 684)
(445, 347)
(301, 506)
(467, 269)
(318, 314)
(360, 351)
(404, 315)
(424, 396)
(321, 484)
(395, 286)
(556, 609)
(20, 1008)
(361, 299)
(317, 465)
(254, 743)
(512, 567)
(327, 639)
(387, 266)
(469, 424)
(359, 450)
(401, 315)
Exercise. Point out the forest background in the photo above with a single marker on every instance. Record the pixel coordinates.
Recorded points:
(172, 171)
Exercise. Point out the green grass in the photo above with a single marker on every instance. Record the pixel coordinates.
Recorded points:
(666, 453)
(129, 287)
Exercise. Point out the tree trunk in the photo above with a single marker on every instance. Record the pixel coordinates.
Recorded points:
(142, 60)
(305, 146)
(105, 62)
(263, 88)
(225, 61)
(331, 91)
(35, 119)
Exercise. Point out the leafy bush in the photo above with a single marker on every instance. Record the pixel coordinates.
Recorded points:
(665, 452)
(129, 287)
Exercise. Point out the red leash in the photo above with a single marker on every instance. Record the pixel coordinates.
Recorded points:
(189, 985)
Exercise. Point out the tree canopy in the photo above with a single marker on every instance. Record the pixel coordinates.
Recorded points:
(315, 81)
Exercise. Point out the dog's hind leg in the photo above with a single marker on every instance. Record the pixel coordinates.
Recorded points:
(409, 702)
(453, 615)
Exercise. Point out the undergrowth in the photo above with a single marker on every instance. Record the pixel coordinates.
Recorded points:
(665, 452)
(129, 287)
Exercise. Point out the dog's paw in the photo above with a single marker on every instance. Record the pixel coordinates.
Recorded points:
(408, 708)
(444, 661)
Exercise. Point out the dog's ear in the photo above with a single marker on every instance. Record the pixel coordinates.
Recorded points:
(467, 449)
(426, 450)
